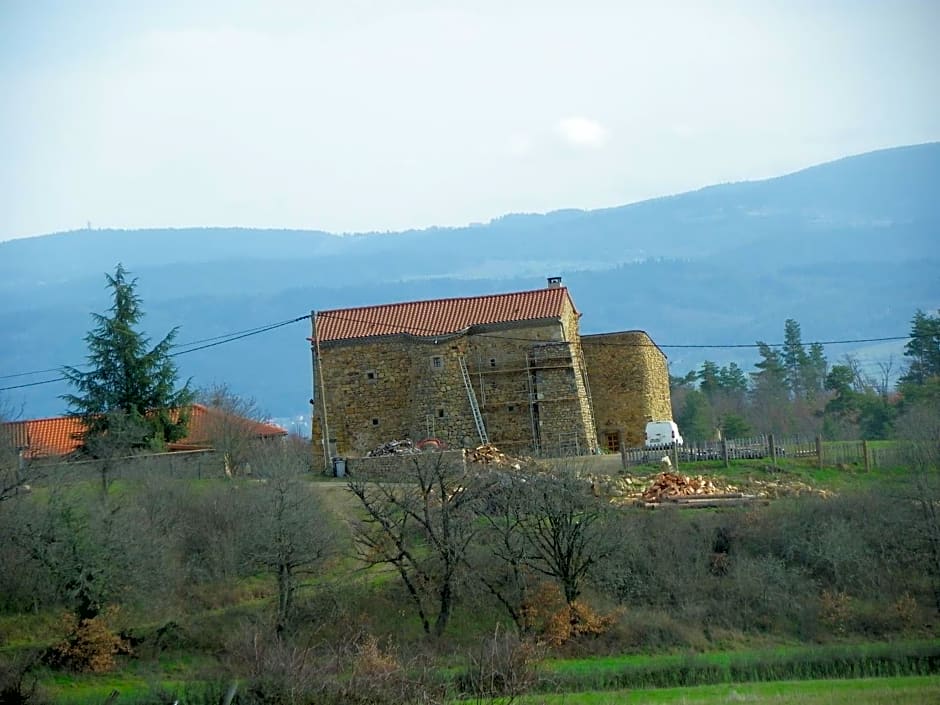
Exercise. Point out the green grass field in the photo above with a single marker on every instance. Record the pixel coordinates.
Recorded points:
(912, 690)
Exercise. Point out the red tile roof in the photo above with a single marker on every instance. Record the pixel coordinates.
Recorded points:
(57, 436)
(440, 316)
(204, 420)
(49, 437)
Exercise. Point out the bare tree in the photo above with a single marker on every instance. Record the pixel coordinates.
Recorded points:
(228, 425)
(500, 559)
(15, 471)
(290, 532)
(565, 528)
(423, 526)
(12, 462)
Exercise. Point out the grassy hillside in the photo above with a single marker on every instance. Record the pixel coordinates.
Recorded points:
(829, 583)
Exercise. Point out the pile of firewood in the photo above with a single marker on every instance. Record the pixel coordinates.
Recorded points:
(403, 447)
(673, 484)
(488, 454)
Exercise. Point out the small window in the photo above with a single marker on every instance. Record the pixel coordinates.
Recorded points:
(511, 407)
(613, 442)
(492, 362)
(375, 422)
(440, 413)
(437, 362)
(370, 375)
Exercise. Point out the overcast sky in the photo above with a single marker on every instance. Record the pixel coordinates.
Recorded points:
(354, 115)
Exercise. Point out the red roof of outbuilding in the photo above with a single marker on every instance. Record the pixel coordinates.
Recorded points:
(206, 421)
(49, 437)
(440, 316)
(59, 435)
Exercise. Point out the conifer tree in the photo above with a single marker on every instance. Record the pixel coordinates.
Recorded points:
(923, 349)
(129, 396)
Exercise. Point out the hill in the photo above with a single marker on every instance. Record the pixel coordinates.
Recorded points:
(847, 248)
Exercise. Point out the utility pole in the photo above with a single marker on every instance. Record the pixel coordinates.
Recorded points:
(318, 367)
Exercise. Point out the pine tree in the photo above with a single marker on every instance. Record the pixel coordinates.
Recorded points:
(814, 377)
(129, 395)
(732, 379)
(923, 349)
(770, 392)
(794, 358)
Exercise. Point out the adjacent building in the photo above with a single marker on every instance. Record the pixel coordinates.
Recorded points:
(60, 436)
(511, 369)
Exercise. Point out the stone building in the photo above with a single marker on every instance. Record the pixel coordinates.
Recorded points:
(511, 369)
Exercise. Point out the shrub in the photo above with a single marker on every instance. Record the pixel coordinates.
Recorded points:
(504, 666)
(89, 647)
(556, 622)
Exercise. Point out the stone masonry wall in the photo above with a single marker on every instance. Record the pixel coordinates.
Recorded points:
(540, 386)
(629, 382)
(500, 375)
(407, 387)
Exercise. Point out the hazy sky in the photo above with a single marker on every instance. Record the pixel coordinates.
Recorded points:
(354, 115)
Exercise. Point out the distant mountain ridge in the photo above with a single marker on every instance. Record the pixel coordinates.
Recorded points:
(847, 248)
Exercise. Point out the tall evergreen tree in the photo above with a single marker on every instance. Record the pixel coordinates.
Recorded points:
(923, 349)
(732, 379)
(814, 377)
(795, 358)
(769, 392)
(129, 396)
(710, 382)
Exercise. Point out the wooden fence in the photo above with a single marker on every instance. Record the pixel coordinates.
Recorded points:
(863, 454)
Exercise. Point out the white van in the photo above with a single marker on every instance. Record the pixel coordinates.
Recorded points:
(662, 434)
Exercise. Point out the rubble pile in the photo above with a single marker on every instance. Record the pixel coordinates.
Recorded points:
(792, 488)
(673, 484)
(402, 447)
(488, 454)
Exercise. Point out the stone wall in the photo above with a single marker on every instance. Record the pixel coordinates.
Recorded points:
(499, 365)
(629, 381)
(411, 387)
(540, 386)
(400, 467)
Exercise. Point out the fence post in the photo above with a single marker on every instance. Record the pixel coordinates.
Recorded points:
(675, 456)
(819, 452)
(772, 448)
(724, 452)
(623, 455)
(866, 452)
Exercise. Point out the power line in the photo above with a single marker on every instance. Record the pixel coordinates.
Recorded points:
(33, 384)
(29, 374)
(206, 343)
(431, 332)
(260, 329)
(264, 329)
(218, 340)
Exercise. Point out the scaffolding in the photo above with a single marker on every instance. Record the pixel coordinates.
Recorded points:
(535, 377)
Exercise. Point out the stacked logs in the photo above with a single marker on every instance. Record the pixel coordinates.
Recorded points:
(488, 454)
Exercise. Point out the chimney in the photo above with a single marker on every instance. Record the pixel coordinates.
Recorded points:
(554, 282)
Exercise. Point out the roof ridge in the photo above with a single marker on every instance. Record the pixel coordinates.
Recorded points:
(449, 298)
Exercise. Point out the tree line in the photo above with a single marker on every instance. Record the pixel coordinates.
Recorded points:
(794, 389)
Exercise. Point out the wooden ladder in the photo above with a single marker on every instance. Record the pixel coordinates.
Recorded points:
(471, 395)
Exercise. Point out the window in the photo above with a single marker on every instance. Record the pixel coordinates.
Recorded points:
(370, 375)
(437, 362)
(492, 362)
(612, 441)
(440, 413)
(375, 422)
(511, 407)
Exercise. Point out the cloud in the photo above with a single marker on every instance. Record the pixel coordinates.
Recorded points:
(582, 132)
